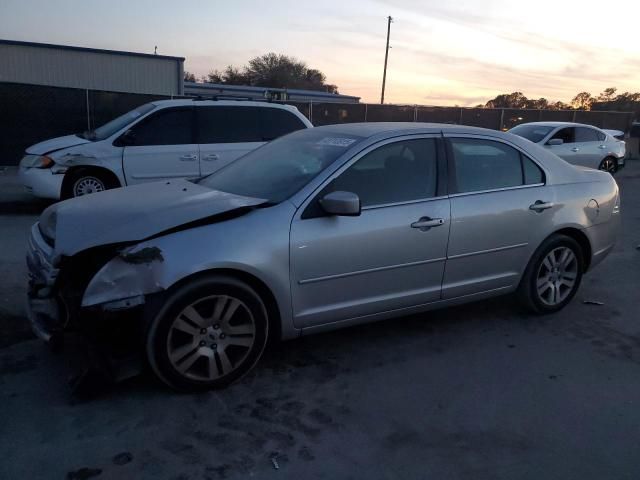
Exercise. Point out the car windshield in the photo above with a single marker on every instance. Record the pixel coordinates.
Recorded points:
(535, 133)
(117, 124)
(280, 168)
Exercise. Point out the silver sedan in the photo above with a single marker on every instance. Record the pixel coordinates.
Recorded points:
(321, 229)
(577, 143)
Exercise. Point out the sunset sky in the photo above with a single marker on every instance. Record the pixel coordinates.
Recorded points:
(464, 53)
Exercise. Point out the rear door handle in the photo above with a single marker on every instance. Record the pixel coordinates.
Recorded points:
(425, 223)
(602, 147)
(539, 206)
(575, 149)
(188, 158)
(211, 157)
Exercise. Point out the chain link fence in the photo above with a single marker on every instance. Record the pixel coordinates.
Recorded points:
(33, 113)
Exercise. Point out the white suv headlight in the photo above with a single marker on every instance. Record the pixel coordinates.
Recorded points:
(36, 161)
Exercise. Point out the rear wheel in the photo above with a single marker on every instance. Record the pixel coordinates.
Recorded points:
(609, 164)
(208, 334)
(553, 275)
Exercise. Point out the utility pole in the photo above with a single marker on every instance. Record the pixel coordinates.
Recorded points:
(386, 56)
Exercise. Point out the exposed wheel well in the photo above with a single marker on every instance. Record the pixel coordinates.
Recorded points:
(104, 173)
(582, 240)
(275, 327)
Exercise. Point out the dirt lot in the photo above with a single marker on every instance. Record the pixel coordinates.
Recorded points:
(474, 392)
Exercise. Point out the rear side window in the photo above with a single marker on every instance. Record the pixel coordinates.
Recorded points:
(567, 135)
(601, 137)
(171, 126)
(489, 165)
(226, 124)
(584, 134)
(277, 122)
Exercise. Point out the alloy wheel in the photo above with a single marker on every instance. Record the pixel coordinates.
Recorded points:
(211, 337)
(608, 165)
(557, 276)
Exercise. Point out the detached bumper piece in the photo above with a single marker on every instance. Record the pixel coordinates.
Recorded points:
(46, 314)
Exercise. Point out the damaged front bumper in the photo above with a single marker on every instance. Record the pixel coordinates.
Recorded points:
(45, 311)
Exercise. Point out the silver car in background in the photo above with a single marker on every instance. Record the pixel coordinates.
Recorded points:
(321, 229)
(576, 143)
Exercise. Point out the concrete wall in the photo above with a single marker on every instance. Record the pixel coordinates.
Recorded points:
(73, 67)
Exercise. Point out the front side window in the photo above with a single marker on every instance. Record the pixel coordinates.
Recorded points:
(488, 165)
(532, 132)
(171, 126)
(397, 172)
(118, 123)
(584, 134)
(567, 135)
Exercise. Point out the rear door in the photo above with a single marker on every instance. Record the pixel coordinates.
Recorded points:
(386, 258)
(591, 150)
(501, 209)
(162, 147)
(225, 133)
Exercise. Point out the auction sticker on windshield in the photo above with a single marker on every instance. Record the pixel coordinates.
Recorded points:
(336, 141)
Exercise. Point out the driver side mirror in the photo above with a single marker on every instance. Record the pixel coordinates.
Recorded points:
(344, 204)
(127, 139)
(554, 142)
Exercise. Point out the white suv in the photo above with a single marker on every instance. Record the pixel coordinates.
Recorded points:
(157, 141)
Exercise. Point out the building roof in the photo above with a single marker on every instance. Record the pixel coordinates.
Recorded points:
(86, 49)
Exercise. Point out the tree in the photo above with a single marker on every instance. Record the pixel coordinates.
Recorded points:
(273, 70)
(189, 77)
(607, 95)
(582, 101)
(508, 100)
(540, 104)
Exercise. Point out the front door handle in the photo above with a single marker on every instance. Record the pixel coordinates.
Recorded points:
(539, 206)
(188, 158)
(211, 157)
(425, 223)
(575, 149)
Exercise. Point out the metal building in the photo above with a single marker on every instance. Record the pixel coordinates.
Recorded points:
(264, 93)
(90, 68)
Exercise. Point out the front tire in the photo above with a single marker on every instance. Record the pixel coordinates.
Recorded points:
(208, 334)
(85, 181)
(553, 275)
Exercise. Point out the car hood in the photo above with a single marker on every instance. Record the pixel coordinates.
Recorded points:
(135, 213)
(54, 144)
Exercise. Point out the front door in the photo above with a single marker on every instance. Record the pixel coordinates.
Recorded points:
(162, 147)
(501, 210)
(391, 256)
(568, 151)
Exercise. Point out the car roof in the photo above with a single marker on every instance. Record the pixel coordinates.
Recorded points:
(182, 102)
(558, 124)
(371, 129)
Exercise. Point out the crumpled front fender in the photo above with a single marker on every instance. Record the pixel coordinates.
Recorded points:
(135, 272)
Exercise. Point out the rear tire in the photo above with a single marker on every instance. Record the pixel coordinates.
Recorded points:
(208, 334)
(609, 164)
(553, 275)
